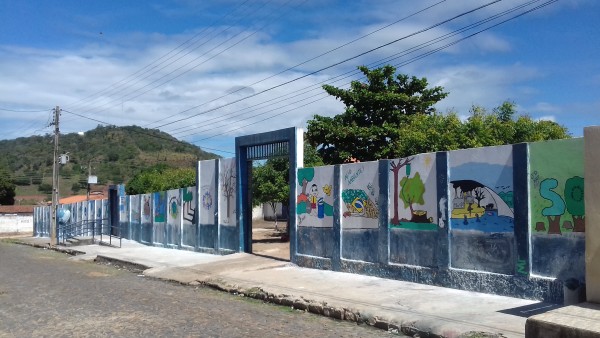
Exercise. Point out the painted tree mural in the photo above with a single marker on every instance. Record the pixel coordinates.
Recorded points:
(395, 170)
(411, 193)
(575, 203)
(479, 195)
(556, 209)
(189, 211)
(228, 182)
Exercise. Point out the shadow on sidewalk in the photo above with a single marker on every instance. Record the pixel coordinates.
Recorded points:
(531, 310)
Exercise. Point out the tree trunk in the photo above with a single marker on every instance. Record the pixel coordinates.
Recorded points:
(274, 208)
(395, 219)
(579, 223)
(554, 225)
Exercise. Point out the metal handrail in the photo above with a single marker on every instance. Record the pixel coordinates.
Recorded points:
(73, 229)
(110, 233)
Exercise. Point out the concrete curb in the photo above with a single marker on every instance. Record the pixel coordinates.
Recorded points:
(129, 266)
(410, 328)
(51, 247)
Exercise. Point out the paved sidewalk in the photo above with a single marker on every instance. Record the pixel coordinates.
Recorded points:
(388, 304)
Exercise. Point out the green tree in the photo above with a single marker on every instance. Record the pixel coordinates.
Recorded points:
(45, 188)
(161, 178)
(392, 116)
(269, 186)
(75, 187)
(375, 110)
(7, 189)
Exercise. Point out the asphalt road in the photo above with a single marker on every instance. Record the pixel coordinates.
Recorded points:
(43, 293)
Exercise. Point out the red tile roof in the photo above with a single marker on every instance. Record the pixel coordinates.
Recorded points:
(16, 209)
(80, 198)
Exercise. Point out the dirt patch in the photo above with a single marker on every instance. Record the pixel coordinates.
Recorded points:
(15, 234)
(96, 274)
(269, 241)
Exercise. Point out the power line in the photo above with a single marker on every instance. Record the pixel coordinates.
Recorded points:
(144, 133)
(405, 62)
(429, 53)
(26, 111)
(327, 67)
(312, 59)
(156, 62)
(128, 97)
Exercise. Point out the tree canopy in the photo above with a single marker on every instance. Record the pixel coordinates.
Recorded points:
(161, 178)
(393, 117)
(7, 189)
(374, 111)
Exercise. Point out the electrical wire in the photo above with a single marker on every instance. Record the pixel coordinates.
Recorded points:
(144, 133)
(155, 63)
(375, 64)
(313, 58)
(328, 67)
(128, 97)
(25, 111)
(399, 65)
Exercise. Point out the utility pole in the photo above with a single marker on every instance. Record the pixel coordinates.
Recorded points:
(88, 180)
(55, 177)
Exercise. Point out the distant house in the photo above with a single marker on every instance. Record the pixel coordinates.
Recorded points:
(23, 210)
(16, 219)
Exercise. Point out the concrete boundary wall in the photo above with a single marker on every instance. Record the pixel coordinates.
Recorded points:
(472, 219)
(82, 215)
(506, 220)
(16, 223)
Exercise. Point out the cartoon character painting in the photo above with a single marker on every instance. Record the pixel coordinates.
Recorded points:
(314, 204)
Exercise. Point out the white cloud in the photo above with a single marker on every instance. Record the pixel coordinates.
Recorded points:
(546, 118)
(479, 84)
(42, 78)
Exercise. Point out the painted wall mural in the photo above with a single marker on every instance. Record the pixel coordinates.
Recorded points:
(160, 217)
(228, 191)
(413, 193)
(134, 202)
(481, 189)
(557, 208)
(482, 209)
(188, 197)
(146, 208)
(360, 195)
(160, 206)
(207, 191)
(556, 179)
(173, 205)
(173, 217)
(314, 204)
(189, 214)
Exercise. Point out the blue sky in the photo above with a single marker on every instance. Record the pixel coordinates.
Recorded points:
(89, 58)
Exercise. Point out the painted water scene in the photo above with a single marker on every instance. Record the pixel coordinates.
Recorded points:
(481, 190)
(478, 207)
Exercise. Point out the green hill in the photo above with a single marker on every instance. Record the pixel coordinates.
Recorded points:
(115, 154)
